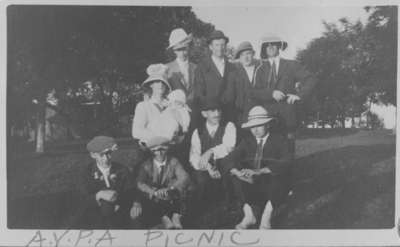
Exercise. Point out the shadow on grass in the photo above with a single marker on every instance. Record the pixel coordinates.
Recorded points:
(351, 187)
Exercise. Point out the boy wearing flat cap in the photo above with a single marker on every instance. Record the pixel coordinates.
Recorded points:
(210, 143)
(259, 168)
(163, 183)
(108, 187)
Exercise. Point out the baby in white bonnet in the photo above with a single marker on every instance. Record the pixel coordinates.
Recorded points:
(173, 122)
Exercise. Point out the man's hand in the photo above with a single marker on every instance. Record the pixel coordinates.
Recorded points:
(292, 98)
(161, 194)
(205, 158)
(278, 95)
(107, 195)
(249, 173)
(136, 210)
(236, 172)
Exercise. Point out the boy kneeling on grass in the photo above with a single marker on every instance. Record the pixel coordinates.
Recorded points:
(163, 182)
(108, 186)
(260, 169)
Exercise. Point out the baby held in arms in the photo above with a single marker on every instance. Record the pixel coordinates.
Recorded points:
(173, 122)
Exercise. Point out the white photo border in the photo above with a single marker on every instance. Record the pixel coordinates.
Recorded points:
(34, 237)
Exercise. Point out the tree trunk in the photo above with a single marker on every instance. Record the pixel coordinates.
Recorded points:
(40, 128)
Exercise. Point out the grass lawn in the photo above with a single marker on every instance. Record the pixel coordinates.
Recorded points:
(342, 179)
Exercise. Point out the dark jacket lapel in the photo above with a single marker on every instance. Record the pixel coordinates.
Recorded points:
(192, 68)
(282, 68)
(213, 67)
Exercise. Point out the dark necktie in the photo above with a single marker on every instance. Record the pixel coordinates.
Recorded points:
(272, 75)
(259, 154)
(161, 175)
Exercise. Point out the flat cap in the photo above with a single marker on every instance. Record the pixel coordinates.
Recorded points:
(101, 143)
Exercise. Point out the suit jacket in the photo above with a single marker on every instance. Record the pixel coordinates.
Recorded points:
(176, 79)
(174, 176)
(120, 178)
(241, 87)
(208, 83)
(276, 155)
(290, 72)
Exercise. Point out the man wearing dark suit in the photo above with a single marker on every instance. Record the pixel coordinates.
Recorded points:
(214, 74)
(180, 75)
(259, 166)
(246, 69)
(281, 84)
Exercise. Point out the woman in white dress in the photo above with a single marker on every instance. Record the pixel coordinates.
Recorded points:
(156, 88)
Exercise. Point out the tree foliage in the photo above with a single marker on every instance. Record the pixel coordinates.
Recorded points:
(354, 63)
(109, 47)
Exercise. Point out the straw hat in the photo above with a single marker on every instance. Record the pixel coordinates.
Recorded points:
(258, 115)
(157, 72)
(179, 38)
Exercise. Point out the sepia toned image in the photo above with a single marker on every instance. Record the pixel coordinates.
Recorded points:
(201, 117)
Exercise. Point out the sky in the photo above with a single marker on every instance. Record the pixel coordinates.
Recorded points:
(298, 25)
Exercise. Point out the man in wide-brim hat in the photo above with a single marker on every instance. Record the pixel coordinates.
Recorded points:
(181, 71)
(281, 85)
(260, 166)
(181, 76)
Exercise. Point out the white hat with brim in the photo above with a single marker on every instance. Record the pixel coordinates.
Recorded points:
(153, 78)
(257, 116)
(157, 72)
(273, 39)
(179, 39)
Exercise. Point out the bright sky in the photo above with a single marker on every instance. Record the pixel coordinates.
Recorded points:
(297, 25)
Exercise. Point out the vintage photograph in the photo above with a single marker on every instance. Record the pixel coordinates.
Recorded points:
(201, 117)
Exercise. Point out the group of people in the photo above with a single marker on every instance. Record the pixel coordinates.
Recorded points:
(215, 131)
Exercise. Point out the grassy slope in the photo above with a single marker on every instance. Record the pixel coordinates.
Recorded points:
(342, 180)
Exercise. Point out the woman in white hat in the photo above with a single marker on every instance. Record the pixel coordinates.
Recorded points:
(259, 166)
(156, 87)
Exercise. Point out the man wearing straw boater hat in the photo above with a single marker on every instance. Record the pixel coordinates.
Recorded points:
(214, 74)
(259, 168)
(181, 70)
(281, 85)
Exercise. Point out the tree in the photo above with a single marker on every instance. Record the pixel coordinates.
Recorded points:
(354, 63)
(61, 47)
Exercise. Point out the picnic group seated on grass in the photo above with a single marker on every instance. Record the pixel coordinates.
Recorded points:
(213, 132)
